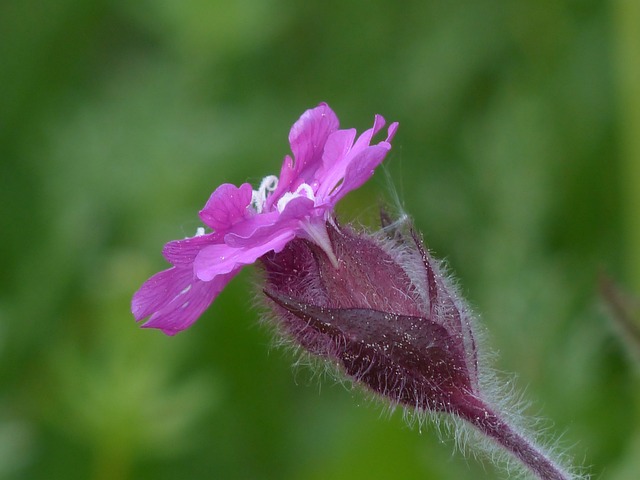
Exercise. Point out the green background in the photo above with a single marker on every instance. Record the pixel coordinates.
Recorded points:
(517, 156)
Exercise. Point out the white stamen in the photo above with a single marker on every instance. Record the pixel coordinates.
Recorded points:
(304, 190)
(199, 232)
(259, 197)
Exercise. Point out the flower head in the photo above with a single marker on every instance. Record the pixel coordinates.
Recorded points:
(379, 306)
(327, 163)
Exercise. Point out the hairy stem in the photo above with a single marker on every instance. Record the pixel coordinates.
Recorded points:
(484, 419)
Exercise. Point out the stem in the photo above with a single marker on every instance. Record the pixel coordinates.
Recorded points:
(626, 18)
(484, 419)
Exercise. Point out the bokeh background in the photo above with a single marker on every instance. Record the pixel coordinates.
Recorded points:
(517, 156)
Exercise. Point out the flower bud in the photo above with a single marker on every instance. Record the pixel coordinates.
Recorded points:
(385, 313)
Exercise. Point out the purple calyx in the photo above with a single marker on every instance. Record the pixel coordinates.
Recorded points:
(405, 342)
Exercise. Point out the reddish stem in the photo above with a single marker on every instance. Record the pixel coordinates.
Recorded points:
(484, 419)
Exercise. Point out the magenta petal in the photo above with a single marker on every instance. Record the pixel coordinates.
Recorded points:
(260, 235)
(217, 260)
(364, 140)
(175, 299)
(391, 132)
(152, 295)
(183, 252)
(226, 206)
(307, 138)
(297, 209)
(337, 147)
(361, 169)
(335, 159)
(309, 134)
(340, 153)
(248, 228)
(220, 259)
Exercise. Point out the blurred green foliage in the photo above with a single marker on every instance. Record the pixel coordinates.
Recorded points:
(515, 156)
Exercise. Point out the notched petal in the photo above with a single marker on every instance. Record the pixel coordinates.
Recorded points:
(220, 259)
(227, 205)
(183, 252)
(308, 137)
(361, 169)
(174, 299)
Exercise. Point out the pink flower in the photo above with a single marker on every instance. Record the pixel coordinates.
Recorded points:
(245, 224)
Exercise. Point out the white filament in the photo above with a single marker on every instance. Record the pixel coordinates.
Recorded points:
(259, 197)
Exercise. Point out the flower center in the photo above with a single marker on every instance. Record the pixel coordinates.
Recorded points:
(313, 228)
(268, 185)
